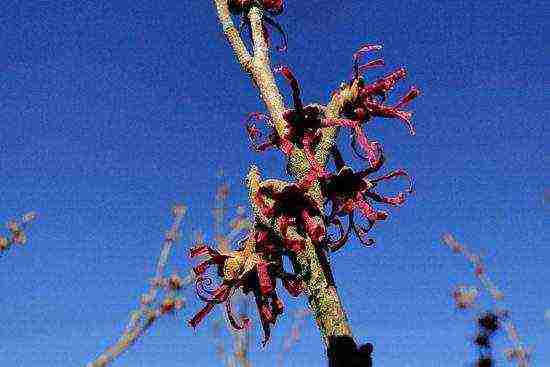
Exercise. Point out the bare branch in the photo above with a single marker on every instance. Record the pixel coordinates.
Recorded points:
(144, 317)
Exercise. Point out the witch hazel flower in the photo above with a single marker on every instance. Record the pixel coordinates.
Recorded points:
(303, 126)
(254, 272)
(271, 7)
(289, 206)
(370, 98)
(351, 191)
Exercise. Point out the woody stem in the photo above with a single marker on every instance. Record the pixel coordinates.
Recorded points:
(322, 294)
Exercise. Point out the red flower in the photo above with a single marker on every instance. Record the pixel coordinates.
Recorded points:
(303, 127)
(253, 271)
(350, 191)
(371, 97)
(291, 206)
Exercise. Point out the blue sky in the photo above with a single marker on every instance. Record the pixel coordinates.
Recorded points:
(111, 113)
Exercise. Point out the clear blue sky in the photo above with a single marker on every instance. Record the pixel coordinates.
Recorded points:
(113, 111)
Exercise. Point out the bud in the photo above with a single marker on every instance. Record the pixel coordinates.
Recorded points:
(179, 210)
(4, 243)
(175, 282)
(29, 217)
(20, 238)
(465, 297)
(167, 305)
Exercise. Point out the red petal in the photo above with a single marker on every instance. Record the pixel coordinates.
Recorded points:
(264, 278)
(287, 73)
(394, 174)
(294, 245)
(385, 84)
(314, 230)
(201, 315)
(293, 285)
(411, 94)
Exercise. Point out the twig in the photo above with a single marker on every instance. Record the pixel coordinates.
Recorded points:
(144, 317)
(518, 352)
(17, 232)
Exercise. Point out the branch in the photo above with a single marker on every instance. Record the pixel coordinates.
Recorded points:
(143, 318)
(518, 351)
(17, 232)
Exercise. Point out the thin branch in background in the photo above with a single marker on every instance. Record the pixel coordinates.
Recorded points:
(240, 338)
(150, 309)
(517, 352)
(17, 235)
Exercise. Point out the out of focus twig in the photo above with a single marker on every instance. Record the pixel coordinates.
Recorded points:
(517, 352)
(17, 232)
(150, 309)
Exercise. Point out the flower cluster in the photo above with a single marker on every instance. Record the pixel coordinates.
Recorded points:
(253, 268)
(293, 211)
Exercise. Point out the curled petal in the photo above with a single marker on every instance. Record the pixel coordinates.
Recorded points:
(287, 73)
(328, 122)
(377, 109)
(277, 26)
(361, 232)
(385, 84)
(201, 315)
(373, 150)
(245, 320)
(394, 174)
(201, 250)
(364, 49)
(407, 98)
(368, 211)
(254, 133)
(369, 65)
(266, 318)
(397, 200)
(201, 268)
(335, 245)
(217, 295)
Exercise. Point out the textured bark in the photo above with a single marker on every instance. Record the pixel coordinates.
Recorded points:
(311, 262)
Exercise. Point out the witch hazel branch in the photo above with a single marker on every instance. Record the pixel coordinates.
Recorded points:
(18, 234)
(292, 217)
